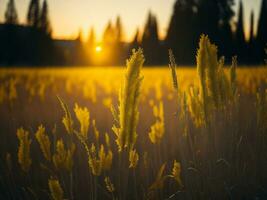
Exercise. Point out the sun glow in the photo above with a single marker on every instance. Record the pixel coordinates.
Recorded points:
(98, 49)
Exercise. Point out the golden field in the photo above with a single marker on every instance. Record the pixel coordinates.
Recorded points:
(72, 133)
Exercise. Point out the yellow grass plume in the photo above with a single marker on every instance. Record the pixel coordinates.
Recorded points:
(157, 129)
(99, 161)
(128, 102)
(55, 189)
(63, 158)
(109, 185)
(83, 116)
(67, 119)
(44, 142)
(133, 158)
(215, 88)
(24, 157)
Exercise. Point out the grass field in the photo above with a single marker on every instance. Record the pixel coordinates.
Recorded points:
(185, 146)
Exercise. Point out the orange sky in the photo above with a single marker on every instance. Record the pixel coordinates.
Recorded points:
(68, 16)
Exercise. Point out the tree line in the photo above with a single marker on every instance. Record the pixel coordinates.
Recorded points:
(189, 19)
(29, 44)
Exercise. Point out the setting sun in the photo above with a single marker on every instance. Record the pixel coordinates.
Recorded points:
(98, 49)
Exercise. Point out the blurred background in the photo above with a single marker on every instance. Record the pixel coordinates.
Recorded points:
(71, 33)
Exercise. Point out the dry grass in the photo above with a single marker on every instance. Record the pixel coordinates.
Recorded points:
(175, 154)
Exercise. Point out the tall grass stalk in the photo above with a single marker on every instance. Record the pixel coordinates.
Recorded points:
(128, 102)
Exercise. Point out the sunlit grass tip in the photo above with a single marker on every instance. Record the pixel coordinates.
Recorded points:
(128, 102)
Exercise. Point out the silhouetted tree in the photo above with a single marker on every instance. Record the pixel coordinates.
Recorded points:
(109, 41)
(135, 43)
(182, 33)
(119, 53)
(91, 44)
(11, 16)
(251, 32)
(118, 30)
(240, 34)
(44, 19)
(109, 34)
(150, 39)
(91, 38)
(33, 14)
(251, 44)
(150, 34)
(262, 31)
(191, 18)
(226, 15)
(208, 17)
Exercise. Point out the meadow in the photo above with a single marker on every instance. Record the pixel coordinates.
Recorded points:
(133, 132)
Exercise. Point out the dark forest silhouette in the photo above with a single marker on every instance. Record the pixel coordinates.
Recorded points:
(32, 44)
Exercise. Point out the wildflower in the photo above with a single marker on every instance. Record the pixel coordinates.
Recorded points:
(24, 158)
(44, 142)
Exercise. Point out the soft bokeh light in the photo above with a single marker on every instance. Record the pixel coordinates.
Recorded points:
(98, 49)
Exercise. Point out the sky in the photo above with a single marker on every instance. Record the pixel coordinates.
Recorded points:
(69, 16)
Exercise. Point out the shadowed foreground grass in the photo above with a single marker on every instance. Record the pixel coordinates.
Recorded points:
(202, 138)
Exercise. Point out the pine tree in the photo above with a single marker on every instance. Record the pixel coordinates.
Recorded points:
(44, 19)
(91, 38)
(208, 18)
(150, 34)
(182, 31)
(33, 14)
(109, 34)
(251, 32)
(11, 16)
(240, 34)
(251, 47)
(135, 41)
(226, 15)
(79, 36)
(135, 44)
(91, 45)
(118, 30)
(150, 39)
